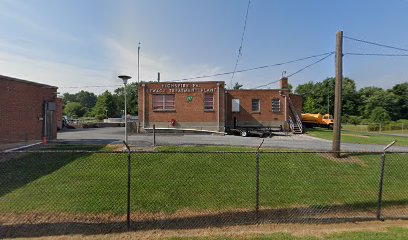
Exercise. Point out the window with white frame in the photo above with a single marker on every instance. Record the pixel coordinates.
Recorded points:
(164, 102)
(276, 105)
(235, 105)
(255, 105)
(208, 101)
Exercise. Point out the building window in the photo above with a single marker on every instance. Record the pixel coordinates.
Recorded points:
(276, 105)
(235, 105)
(208, 101)
(164, 102)
(255, 105)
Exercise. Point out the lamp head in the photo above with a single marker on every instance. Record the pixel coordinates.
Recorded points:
(125, 78)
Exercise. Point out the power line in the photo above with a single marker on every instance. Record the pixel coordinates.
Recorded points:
(304, 68)
(254, 68)
(377, 54)
(224, 73)
(376, 44)
(267, 84)
(298, 71)
(98, 86)
(242, 40)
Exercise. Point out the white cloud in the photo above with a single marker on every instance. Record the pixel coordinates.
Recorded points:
(56, 74)
(124, 60)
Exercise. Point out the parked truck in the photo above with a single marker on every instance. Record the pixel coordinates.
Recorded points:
(317, 120)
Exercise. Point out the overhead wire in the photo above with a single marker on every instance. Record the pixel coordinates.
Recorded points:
(97, 86)
(327, 54)
(242, 41)
(254, 68)
(308, 66)
(376, 44)
(298, 71)
(376, 54)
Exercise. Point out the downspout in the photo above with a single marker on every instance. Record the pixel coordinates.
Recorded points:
(144, 105)
(286, 108)
(218, 115)
(225, 108)
(45, 120)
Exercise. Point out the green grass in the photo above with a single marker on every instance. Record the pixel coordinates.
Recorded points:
(167, 182)
(359, 138)
(390, 234)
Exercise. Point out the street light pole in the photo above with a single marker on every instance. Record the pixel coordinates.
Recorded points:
(125, 78)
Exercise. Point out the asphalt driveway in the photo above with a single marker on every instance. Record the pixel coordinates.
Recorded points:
(281, 141)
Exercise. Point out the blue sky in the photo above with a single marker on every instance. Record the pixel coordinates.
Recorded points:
(79, 43)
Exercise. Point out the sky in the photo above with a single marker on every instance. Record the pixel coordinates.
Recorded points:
(80, 44)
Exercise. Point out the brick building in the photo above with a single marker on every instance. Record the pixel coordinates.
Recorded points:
(209, 106)
(28, 110)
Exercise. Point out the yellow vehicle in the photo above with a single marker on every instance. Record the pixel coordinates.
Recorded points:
(317, 120)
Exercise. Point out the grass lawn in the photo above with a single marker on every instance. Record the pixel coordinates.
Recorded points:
(169, 181)
(359, 138)
(364, 129)
(390, 234)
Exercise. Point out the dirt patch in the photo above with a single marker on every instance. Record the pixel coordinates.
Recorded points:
(301, 221)
(344, 159)
(299, 230)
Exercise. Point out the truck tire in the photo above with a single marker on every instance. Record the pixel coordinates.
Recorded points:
(244, 134)
(330, 127)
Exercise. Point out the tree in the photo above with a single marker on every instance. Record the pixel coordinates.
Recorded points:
(309, 105)
(380, 115)
(237, 86)
(86, 99)
(401, 93)
(350, 98)
(68, 97)
(74, 110)
(305, 90)
(131, 98)
(369, 98)
(105, 106)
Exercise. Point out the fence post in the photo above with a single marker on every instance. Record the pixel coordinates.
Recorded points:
(128, 188)
(380, 181)
(257, 182)
(154, 135)
(380, 186)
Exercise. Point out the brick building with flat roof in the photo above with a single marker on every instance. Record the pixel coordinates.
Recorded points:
(28, 110)
(210, 106)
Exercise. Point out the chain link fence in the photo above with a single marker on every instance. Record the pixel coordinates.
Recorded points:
(92, 191)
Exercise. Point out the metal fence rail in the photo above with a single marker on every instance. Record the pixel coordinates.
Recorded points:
(167, 190)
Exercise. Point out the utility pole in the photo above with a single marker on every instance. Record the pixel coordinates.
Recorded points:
(337, 94)
(138, 68)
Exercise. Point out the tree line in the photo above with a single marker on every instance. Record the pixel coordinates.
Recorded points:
(368, 104)
(105, 105)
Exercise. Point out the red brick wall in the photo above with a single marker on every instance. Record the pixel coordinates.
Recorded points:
(297, 103)
(21, 110)
(187, 114)
(192, 114)
(265, 117)
(58, 113)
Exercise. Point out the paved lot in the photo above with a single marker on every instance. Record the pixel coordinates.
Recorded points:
(116, 135)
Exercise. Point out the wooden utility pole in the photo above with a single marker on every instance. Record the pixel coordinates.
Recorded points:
(337, 94)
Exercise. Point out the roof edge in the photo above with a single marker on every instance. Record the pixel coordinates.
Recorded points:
(26, 81)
